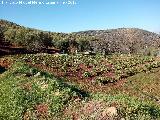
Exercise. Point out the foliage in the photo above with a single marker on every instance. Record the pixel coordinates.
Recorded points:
(103, 41)
(100, 68)
(130, 108)
(26, 94)
(122, 40)
(1, 35)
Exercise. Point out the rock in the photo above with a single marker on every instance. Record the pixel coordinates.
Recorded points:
(86, 53)
(43, 62)
(38, 74)
(110, 111)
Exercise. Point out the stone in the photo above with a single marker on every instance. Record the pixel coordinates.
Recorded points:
(110, 111)
(38, 74)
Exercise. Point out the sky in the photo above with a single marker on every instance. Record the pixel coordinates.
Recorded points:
(84, 15)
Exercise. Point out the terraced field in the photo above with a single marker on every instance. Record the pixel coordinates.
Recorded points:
(79, 87)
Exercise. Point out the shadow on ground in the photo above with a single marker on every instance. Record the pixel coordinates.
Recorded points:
(2, 69)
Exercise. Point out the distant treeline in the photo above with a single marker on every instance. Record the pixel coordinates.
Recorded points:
(37, 40)
(102, 41)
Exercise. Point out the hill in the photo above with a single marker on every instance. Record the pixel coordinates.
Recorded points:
(72, 87)
(39, 41)
(125, 40)
(121, 40)
(77, 86)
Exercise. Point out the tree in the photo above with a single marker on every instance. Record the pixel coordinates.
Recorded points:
(73, 46)
(1, 35)
(10, 35)
(63, 45)
(83, 45)
(45, 38)
(37, 41)
(20, 38)
(33, 42)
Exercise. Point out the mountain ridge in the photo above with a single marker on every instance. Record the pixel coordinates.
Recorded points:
(2, 21)
(121, 40)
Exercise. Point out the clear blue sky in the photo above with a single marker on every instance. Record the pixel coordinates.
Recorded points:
(86, 15)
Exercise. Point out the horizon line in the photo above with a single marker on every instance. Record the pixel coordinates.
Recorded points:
(69, 32)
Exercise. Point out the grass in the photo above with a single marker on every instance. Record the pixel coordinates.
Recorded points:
(27, 94)
(144, 86)
(30, 93)
(130, 107)
(98, 68)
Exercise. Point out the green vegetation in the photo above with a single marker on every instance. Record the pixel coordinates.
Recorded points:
(93, 80)
(103, 69)
(38, 41)
(124, 40)
(27, 92)
(130, 108)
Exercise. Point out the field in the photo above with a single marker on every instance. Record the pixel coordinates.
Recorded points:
(79, 87)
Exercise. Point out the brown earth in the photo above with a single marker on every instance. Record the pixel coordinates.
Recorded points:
(86, 83)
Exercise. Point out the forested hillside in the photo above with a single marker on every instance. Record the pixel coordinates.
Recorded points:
(123, 40)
